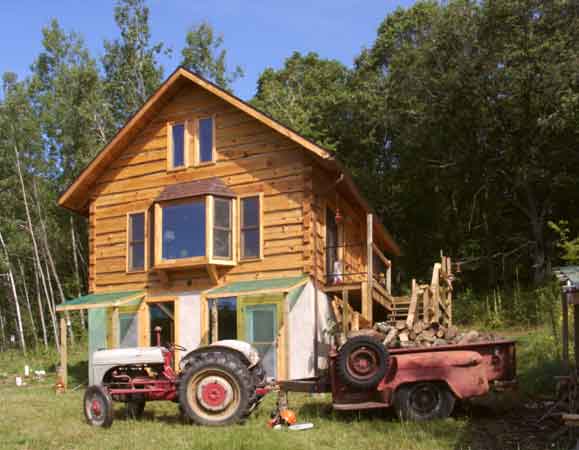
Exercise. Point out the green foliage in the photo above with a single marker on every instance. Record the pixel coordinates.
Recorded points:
(203, 55)
(132, 72)
(569, 246)
(308, 94)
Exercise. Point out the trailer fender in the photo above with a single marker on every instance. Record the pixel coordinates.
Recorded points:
(461, 370)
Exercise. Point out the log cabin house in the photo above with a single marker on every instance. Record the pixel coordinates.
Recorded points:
(214, 221)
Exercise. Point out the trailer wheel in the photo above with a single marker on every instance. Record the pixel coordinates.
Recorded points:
(98, 407)
(423, 401)
(215, 389)
(362, 362)
(135, 409)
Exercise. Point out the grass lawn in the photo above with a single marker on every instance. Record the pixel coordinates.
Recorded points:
(34, 417)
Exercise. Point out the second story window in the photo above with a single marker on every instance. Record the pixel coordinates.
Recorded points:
(183, 230)
(222, 236)
(205, 140)
(136, 242)
(250, 227)
(178, 154)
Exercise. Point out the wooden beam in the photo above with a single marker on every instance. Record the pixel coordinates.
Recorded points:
(381, 255)
(63, 353)
(345, 313)
(213, 273)
(367, 302)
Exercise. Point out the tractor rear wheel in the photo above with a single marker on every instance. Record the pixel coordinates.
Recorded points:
(98, 407)
(216, 389)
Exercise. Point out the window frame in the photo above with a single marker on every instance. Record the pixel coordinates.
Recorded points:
(197, 146)
(186, 145)
(232, 226)
(160, 262)
(129, 242)
(260, 227)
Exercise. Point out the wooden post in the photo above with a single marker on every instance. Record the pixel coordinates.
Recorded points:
(115, 328)
(345, 312)
(367, 302)
(389, 279)
(565, 330)
(63, 353)
(214, 321)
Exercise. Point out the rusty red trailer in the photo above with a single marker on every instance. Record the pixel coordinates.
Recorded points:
(420, 383)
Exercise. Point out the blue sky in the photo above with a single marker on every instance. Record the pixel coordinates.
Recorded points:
(258, 33)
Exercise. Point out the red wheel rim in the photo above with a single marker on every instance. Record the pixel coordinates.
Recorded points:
(96, 408)
(363, 363)
(214, 394)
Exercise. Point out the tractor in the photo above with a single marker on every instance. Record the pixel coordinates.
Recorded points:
(218, 384)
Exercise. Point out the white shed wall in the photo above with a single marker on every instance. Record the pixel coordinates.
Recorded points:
(301, 333)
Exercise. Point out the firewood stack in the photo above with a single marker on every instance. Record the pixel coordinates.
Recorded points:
(421, 334)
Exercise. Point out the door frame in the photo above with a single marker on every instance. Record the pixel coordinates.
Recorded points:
(277, 299)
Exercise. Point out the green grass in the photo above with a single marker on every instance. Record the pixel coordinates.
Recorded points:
(35, 417)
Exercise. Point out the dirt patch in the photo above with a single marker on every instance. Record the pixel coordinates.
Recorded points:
(521, 426)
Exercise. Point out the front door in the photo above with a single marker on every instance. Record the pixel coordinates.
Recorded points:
(261, 332)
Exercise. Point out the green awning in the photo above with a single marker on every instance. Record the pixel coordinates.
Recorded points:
(256, 286)
(104, 300)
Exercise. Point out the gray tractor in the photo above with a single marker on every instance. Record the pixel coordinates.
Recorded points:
(218, 384)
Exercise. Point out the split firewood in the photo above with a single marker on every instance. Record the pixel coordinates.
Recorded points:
(400, 325)
(470, 337)
(390, 337)
(451, 332)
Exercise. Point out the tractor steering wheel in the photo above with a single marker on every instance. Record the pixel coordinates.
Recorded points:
(172, 347)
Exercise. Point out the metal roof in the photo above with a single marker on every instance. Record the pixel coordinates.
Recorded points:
(568, 274)
(104, 300)
(214, 186)
(255, 286)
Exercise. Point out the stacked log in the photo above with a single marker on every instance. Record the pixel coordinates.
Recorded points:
(421, 334)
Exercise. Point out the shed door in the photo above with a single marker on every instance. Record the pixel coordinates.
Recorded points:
(261, 332)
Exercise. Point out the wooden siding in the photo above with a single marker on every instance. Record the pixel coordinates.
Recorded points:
(251, 158)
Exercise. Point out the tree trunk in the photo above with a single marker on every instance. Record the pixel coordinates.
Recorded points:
(28, 305)
(2, 332)
(35, 244)
(19, 327)
(52, 266)
(41, 310)
(76, 269)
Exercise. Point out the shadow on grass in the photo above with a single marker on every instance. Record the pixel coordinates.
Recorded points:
(77, 373)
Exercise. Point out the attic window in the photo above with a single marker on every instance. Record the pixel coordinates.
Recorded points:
(177, 145)
(205, 140)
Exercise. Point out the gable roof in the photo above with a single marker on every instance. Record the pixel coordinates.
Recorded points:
(76, 196)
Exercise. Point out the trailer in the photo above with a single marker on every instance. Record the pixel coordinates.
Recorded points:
(420, 383)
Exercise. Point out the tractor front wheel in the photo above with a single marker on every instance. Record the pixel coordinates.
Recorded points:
(98, 407)
(215, 389)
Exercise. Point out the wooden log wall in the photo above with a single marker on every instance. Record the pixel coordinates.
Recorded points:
(251, 159)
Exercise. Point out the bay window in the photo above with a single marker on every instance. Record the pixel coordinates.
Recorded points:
(194, 231)
(222, 230)
(183, 230)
